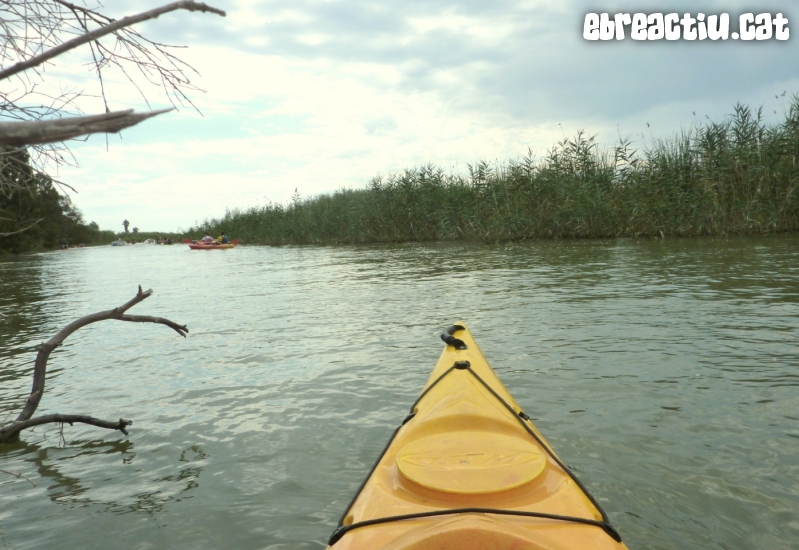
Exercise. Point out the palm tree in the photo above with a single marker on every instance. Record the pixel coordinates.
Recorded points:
(125, 224)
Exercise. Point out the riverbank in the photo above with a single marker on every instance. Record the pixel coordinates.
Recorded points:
(738, 176)
(95, 238)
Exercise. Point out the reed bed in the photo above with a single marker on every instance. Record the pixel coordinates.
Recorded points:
(738, 176)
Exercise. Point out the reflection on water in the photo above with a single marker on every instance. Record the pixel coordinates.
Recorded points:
(61, 468)
(663, 372)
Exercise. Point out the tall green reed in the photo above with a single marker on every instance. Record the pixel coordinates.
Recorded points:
(738, 176)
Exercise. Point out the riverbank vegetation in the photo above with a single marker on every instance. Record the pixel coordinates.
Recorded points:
(738, 176)
(34, 215)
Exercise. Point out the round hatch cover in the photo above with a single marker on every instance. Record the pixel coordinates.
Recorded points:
(471, 462)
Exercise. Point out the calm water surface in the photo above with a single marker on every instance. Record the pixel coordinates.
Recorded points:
(666, 373)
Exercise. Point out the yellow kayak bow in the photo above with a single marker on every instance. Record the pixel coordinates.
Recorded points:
(467, 470)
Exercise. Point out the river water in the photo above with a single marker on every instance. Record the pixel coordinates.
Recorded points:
(664, 372)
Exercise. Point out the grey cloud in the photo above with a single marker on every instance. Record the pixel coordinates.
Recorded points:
(544, 70)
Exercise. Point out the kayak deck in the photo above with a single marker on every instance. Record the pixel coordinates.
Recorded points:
(467, 470)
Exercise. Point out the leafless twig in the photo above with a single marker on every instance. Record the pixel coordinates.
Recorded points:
(21, 230)
(34, 32)
(18, 476)
(108, 28)
(10, 431)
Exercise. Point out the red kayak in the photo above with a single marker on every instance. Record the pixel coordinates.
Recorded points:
(203, 246)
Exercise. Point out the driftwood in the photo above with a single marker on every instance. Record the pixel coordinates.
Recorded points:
(10, 431)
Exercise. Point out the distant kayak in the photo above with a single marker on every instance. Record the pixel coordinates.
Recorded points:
(468, 470)
(203, 246)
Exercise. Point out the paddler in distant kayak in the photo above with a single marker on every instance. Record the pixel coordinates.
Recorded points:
(208, 239)
(222, 239)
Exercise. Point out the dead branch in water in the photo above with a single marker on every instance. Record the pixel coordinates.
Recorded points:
(10, 431)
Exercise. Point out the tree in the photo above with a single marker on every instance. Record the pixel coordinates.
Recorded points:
(125, 224)
(17, 208)
(135, 230)
(46, 217)
(35, 32)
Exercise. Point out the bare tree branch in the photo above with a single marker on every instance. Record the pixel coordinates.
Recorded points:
(20, 230)
(17, 134)
(180, 329)
(25, 420)
(33, 32)
(9, 156)
(18, 476)
(35, 61)
(12, 429)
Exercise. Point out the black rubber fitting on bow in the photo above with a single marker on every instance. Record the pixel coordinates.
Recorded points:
(450, 340)
(462, 365)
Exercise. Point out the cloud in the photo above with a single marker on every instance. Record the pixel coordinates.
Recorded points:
(507, 53)
(321, 95)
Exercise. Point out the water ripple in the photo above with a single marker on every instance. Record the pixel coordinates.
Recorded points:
(663, 371)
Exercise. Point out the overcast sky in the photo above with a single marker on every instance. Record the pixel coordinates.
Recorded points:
(320, 95)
